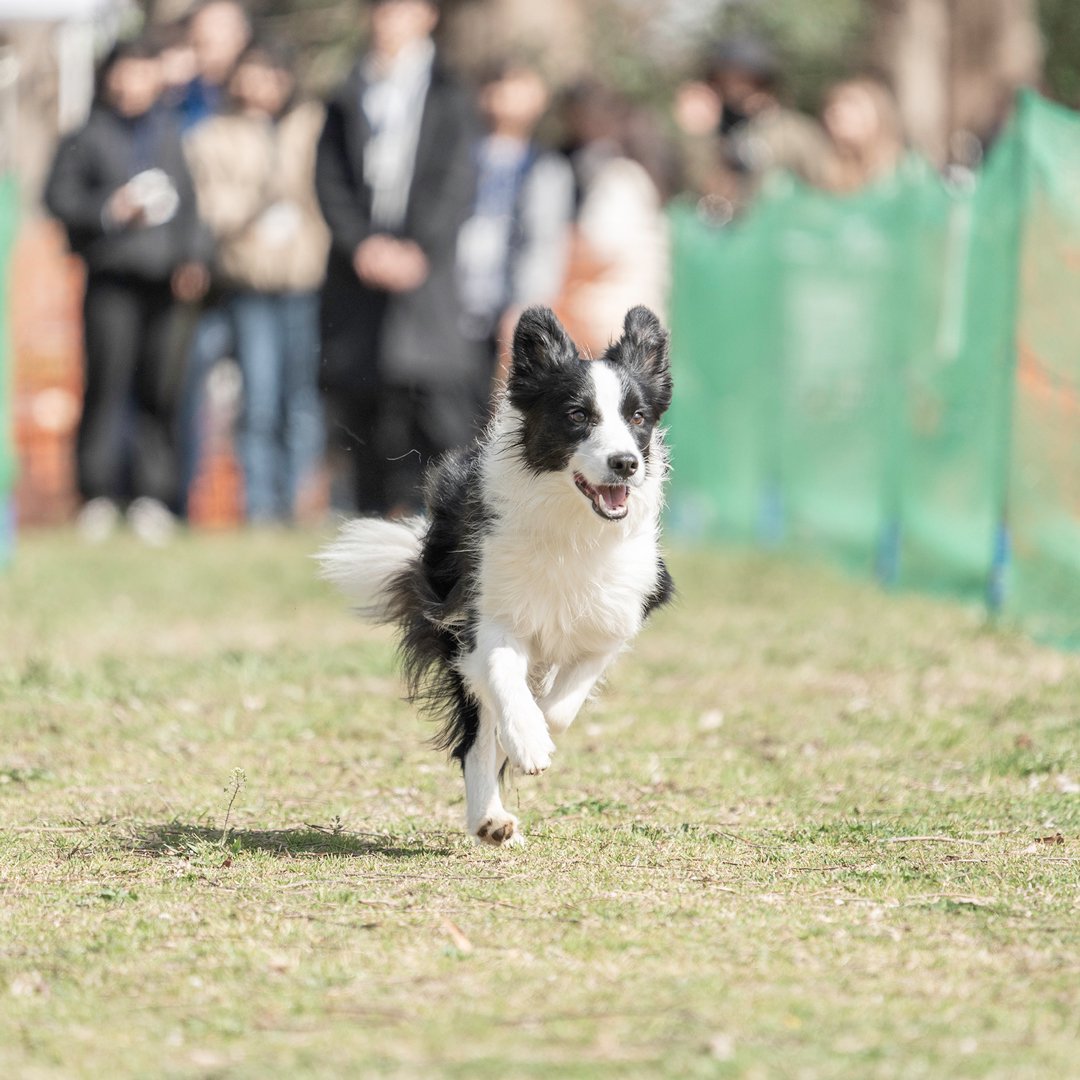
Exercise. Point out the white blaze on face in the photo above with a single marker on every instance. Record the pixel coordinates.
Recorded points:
(612, 435)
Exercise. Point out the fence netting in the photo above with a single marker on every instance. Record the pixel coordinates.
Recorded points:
(892, 379)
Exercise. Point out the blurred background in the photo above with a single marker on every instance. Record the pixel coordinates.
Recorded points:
(861, 218)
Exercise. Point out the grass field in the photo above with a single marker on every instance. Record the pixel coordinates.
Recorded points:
(808, 831)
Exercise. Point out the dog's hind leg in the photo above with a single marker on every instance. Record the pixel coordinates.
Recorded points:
(486, 818)
(571, 688)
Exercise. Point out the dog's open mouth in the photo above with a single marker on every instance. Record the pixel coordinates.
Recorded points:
(608, 500)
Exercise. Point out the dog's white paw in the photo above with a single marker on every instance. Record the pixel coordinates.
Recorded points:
(500, 830)
(528, 746)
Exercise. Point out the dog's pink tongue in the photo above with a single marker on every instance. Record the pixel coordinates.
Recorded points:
(614, 497)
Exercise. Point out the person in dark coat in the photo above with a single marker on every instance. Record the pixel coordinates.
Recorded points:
(395, 178)
(122, 190)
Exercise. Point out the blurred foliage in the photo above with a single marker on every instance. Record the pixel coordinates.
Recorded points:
(619, 30)
(1060, 20)
(645, 46)
(327, 35)
(818, 43)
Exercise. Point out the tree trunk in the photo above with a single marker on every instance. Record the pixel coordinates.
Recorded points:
(956, 66)
(996, 50)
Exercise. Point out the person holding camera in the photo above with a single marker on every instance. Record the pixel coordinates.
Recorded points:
(122, 190)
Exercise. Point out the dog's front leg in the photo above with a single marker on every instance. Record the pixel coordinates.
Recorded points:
(486, 817)
(497, 672)
(571, 689)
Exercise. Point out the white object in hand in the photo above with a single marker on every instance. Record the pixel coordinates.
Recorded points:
(279, 223)
(155, 194)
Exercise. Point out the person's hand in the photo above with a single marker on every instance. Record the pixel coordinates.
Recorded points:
(122, 209)
(190, 281)
(698, 109)
(411, 266)
(384, 262)
(371, 259)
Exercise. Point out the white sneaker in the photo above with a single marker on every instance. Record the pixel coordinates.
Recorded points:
(151, 521)
(97, 520)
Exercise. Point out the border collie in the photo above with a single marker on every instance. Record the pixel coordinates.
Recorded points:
(537, 561)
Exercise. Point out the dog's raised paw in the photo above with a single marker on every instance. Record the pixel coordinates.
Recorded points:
(533, 764)
(500, 832)
(529, 749)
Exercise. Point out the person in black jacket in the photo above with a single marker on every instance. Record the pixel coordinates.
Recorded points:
(396, 180)
(122, 190)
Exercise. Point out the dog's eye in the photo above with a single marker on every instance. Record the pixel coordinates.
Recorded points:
(578, 416)
(638, 418)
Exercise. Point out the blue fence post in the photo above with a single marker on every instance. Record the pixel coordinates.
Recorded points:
(771, 517)
(997, 581)
(888, 557)
(7, 529)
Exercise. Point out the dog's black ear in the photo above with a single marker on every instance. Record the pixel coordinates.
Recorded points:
(644, 341)
(540, 343)
(644, 347)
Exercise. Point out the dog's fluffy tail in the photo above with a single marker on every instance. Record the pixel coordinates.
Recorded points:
(366, 559)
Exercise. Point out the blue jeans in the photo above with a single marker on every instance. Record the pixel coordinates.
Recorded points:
(281, 435)
(211, 343)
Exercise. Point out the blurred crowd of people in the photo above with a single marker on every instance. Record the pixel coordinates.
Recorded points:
(363, 259)
(737, 132)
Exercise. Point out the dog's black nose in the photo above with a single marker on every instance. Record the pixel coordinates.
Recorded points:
(623, 464)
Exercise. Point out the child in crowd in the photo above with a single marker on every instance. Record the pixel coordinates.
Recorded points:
(254, 169)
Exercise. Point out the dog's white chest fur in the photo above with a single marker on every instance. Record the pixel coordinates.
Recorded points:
(567, 604)
(564, 582)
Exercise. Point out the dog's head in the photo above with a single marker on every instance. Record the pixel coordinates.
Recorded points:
(594, 419)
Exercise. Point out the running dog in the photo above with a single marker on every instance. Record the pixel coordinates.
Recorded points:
(538, 559)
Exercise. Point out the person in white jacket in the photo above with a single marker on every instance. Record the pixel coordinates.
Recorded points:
(512, 252)
(626, 172)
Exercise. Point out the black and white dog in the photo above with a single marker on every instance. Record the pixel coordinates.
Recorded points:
(538, 559)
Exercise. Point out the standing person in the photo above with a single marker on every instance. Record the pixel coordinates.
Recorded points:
(513, 251)
(862, 121)
(122, 189)
(396, 180)
(738, 133)
(254, 171)
(217, 32)
(619, 259)
(178, 63)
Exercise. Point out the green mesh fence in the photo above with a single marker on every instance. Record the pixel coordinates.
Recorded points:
(8, 220)
(1044, 466)
(893, 379)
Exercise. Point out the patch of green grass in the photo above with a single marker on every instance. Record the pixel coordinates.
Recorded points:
(808, 831)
